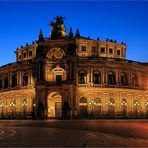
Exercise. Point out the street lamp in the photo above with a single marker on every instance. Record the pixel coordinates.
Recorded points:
(136, 104)
(2, 105)
(33, 110)
(24, 105)
(146, 105)
(92, 103)
(12, 106)
(124, 108)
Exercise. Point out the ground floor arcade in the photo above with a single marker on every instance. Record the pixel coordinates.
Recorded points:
(72, 102)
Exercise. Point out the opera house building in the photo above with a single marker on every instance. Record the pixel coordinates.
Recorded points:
(71, 76)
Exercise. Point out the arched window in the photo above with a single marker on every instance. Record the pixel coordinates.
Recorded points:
(97, 100)
(111, 78)
(25, 79)
(111, 101)
(134, 80)
(82, 77)
(124, 101)
(14, 79)
(97, 77)
(83, 100)
(124, 81)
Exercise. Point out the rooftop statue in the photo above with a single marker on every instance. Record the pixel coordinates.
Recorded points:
(58, 28)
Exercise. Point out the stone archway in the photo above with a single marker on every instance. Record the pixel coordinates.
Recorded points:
(54, 105)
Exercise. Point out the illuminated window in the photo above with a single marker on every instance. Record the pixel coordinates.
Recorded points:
(124, 81)
(83, 48)
(111, 78)
(97, 77)
(82, 77)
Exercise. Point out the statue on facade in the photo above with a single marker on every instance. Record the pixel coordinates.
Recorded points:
(58, 28)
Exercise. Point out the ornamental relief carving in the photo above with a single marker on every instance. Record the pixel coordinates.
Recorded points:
(55, 54)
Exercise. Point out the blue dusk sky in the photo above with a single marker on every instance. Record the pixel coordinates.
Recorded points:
(125, 21)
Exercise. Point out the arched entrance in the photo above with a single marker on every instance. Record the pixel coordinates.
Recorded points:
(97, 108)
(124, 107)
(54, 105)
(83, 107)
(111, 108)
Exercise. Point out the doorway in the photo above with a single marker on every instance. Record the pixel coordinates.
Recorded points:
(54, 105)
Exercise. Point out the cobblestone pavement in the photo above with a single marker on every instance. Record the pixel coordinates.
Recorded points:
(92, 133)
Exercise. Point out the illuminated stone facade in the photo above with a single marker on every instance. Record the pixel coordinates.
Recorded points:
(73, 77)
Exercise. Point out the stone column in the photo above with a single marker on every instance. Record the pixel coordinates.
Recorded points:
(10, 79)
(19, 78)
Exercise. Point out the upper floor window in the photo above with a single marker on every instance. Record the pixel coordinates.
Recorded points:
(83, 48)
(97, 77)
(25, 55)
(59, 74)
(82, 77)
(30, 53)
(14, 79)
(94, 49)
(102, 49)
(25, 79)
(19, 56)
(118, 52)
(124, 79)
(111, 78)
(110, 50)
(134, 80)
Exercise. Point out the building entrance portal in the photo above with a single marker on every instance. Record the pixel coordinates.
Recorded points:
(54, 105)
